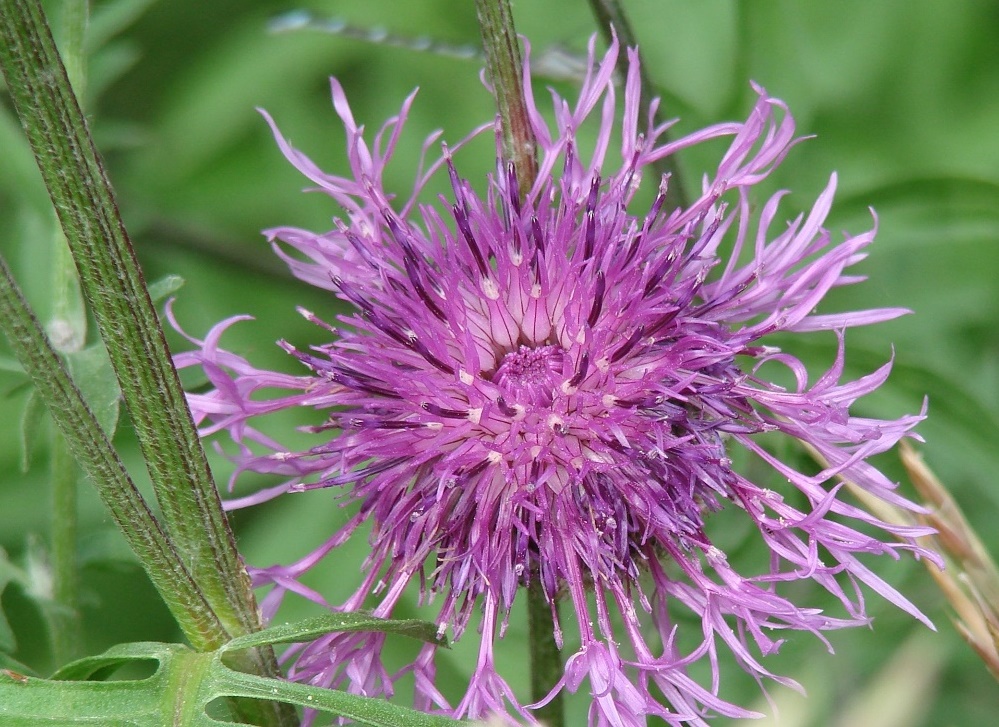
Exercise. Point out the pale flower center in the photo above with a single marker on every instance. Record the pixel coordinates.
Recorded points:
(531, 375)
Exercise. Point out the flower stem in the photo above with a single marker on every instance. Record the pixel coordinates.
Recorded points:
(64, 477)
(83, 435)
(505, 69)
(546, 661)
(613, 21)
(68, 328)
(114, 287)
(74, 175)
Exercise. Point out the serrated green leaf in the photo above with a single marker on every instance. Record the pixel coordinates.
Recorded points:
(117, 656)
(27, 700)
(364, 710)
(186, 682)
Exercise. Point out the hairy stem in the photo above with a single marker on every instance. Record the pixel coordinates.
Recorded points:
(546, 661)
(505, 70)
(65, 475)
(115, 290)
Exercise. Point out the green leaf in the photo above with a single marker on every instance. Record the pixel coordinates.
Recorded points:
(9, 573)
(11, 364)
(35, 580)
(91, 370)
(186, 682)
(107, 66)
(10, 664)
(337, 622)
(110, 18)
(31, 418)
(20, 175)
(165, 286)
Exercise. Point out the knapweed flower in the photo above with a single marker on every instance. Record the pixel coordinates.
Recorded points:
(546, 392)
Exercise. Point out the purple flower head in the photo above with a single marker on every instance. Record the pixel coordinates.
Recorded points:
(547, 392)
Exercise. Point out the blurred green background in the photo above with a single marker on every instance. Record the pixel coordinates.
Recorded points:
(902, 95)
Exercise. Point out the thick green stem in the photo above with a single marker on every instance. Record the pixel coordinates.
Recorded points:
(505, 70)
(92, 450)
(114, 288)
(90, 447)
(613, 21)
(68, 329)
(64, 477)
(546, 661)
(68, 324)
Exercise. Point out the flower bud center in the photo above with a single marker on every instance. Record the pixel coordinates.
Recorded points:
(531, 375)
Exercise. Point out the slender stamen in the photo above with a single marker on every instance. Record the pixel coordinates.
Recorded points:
(421, 291)
(513, 194)
(653, 282)
(417, 345)
(384, 424)
(584, 364)
(537, 235)
(598, 300)
(626, 347)
(654, 211)
(589, 235)
(356, 384)
(442, 412)
(358, 244)
(457, 186)
(461, 218)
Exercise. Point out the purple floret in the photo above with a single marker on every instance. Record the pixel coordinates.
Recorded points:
(548, 391)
